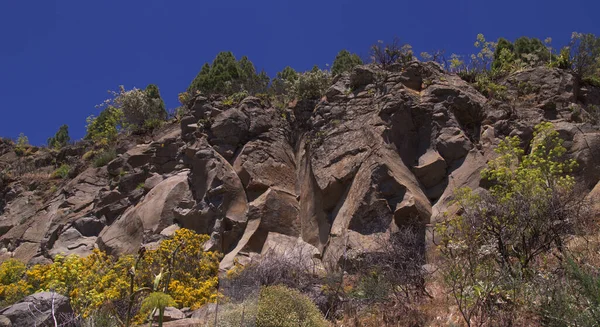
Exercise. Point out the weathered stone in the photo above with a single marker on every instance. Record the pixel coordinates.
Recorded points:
(431, 169)
(36, 310)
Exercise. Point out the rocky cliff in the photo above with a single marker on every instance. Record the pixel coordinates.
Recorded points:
(382, 149)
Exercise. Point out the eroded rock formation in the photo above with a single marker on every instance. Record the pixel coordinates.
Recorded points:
(381, 150)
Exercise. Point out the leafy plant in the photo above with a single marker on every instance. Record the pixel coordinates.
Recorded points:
(157, 300)
(280, 306)
(311, 85)
(103, 130)
(492, 246)
(62, 171)
(386, 54)
(344, 62)
(104, 157)
(22, 145)
(60, 139)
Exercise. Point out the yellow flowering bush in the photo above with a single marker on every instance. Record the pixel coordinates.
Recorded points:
(188, 275)
(12, 287)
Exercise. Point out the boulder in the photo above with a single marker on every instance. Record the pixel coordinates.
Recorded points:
(431, 169)
(36, 310)
(156, 212)
(170, 314)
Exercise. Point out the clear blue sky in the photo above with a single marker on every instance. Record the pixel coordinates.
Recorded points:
(58, 58)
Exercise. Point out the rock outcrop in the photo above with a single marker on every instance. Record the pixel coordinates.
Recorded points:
(382, 150)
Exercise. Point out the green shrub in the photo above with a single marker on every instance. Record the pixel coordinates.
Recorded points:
(573, 300)
(60, 139)
(104, 157)
(226, 76)
(585, 55)
(235, 98)
(152, 124)
(284, 81)
(280, 306)
(62, 171)
(22, 145)
(344, 62)
(104, 129)
(311, 85)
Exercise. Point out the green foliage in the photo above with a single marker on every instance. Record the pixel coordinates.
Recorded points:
(104, 157)
(226, 76)
(481, 61)
(235, 98)
(152, 124)
(485, 85)
(157, 300)
(137, 106)
(153, 94)
(385, 55)
(344, 62)
(280, 306)
(284, 81)
(22, 145)
(311, 85)
(585, 55)
(103, 130)
(563, 61)
(491, 248)
(62, 171)
(60, 139)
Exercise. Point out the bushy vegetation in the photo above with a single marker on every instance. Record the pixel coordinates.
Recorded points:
(22, 146)
(385, 55)
(104, 129)
(104, 157)
(60, 139)
(62, 171)
(344, 62)
(135, 110)
(179, 269)
(498, 245)
(276, 306)
(226, 75)
(311, 85)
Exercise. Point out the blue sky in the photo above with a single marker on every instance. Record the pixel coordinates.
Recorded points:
(58, 58)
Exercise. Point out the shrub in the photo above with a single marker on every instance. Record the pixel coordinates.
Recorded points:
(226, 76)
(491, 248)
(104, 157)
(385, 55)
(311, 85)
(151, 124)
(157, 300)
(280, 306)
(585, 55)
(153, 94)
(191, 273)
(284, 81)
(138, 106)
(22, 145)
(103, 130)
(344, 62)
(574, 300)
(62, 171)
(60, 139)
(100, 282)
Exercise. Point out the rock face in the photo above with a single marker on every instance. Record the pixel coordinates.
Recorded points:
(36, 310)
(382, 150)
